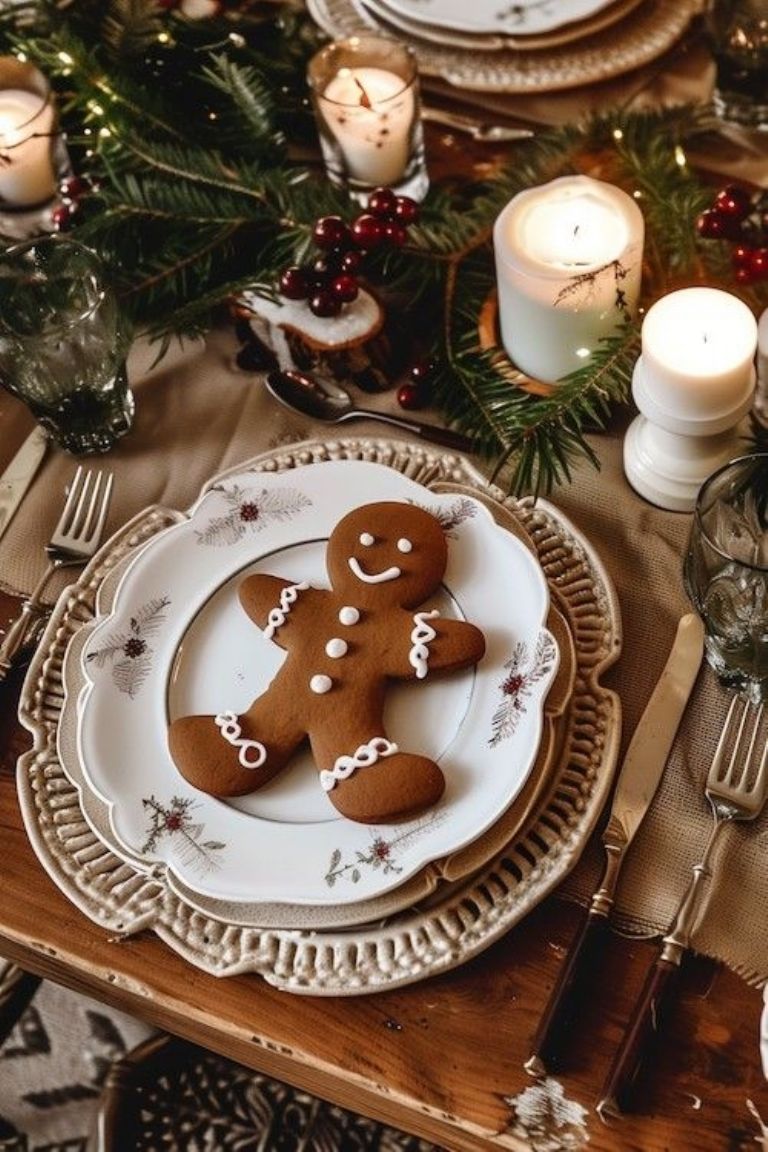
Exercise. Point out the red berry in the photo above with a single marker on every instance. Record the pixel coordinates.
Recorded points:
(293, 283)
(743, 276)
(74, 187)
(758, 264)
(733, 201)
(713, 225)
(330, 232)
(350, 261)
(395, 233)
(409, 396)
(61, 216)
(406, 210)
(344, 288)
(741, 256)
(323, 303)
(382, 203)
(368, 231)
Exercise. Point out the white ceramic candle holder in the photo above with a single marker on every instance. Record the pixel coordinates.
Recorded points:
(365, 92)
(693, 383)
(568, 264)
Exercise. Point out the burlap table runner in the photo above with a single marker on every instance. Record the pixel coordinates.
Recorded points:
(196, 414)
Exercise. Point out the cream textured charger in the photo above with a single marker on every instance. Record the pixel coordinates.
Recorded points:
(569, 258)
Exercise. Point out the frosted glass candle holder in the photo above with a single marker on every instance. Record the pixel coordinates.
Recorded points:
(365, 92)
(569, 259)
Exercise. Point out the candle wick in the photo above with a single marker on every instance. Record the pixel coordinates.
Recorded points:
(576, 230)
(364, 97)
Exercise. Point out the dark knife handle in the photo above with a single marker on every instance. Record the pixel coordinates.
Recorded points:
(567, 996)
(619, 1090)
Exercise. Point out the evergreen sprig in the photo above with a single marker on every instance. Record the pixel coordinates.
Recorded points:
(193, 134)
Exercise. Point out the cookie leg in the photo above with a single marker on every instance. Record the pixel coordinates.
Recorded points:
(229, 755)
(371, 781)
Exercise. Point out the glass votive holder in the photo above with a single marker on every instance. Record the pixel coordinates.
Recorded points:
(63, 342)
(33, 156)
(738, 34)
(365, 92)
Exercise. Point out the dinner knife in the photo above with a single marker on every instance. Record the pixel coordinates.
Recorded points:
(636, 786)
(19, 474)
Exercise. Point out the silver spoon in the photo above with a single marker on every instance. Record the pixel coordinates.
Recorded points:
(312, 397)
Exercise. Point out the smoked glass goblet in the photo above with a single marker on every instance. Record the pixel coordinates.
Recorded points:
(726, 573)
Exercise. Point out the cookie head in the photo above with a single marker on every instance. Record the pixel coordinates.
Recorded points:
(387, 553)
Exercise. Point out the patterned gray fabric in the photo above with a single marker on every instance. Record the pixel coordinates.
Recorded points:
(55, 1060)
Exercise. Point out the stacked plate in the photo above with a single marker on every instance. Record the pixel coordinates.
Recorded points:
(521, 46)
(165, 636)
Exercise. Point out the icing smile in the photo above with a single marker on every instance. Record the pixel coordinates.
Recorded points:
(375, 577)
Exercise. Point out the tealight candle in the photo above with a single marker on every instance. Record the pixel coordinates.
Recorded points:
(366, 98)
(693, 383)
(27, 125)
(568, 266)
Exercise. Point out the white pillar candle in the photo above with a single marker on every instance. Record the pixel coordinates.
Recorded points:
(370, 112)
(27, 175)
(693, 383)
(568, 266)
(698, 349)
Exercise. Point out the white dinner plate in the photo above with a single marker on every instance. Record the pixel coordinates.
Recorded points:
(513, 17)
(389, 15)
(176, 642)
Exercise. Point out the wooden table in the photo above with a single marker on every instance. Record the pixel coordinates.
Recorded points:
(443, 1058)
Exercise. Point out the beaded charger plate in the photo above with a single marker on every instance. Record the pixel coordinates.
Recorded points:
(415, 943)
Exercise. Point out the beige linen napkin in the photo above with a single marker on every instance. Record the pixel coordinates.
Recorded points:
(196, 414)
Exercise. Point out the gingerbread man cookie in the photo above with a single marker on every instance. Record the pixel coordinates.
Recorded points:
(344, 646)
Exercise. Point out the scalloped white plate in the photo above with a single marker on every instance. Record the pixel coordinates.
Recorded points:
(516, 17)
(177, 642)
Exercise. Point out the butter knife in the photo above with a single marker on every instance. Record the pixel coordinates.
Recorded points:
(19, 474)
(636, 786)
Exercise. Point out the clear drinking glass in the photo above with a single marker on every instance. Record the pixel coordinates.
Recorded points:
(63, 341)
(738, 32)
(726, 572)
(365, 92)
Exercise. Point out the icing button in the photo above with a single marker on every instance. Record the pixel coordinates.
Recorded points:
(321, 684)
(336, 648)
(349, 615)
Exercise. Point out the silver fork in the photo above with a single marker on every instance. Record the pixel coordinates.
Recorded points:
(75, 539)
(736, 787)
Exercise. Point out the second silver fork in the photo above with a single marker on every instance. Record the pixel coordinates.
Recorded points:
(736, 788)
(74, 540)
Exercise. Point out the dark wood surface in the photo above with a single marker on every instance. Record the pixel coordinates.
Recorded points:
(442, 1058)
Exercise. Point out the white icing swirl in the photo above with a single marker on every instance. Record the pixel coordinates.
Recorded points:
(229, 726)
(375, 577)
(421, 637)
(367, 754)
(276, 617)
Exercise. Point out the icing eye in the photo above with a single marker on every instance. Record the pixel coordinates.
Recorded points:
(366, 539)
(404, 545)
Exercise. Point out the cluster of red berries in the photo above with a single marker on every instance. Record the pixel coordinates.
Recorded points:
(743, 220)
(330, 280)
(71, 191)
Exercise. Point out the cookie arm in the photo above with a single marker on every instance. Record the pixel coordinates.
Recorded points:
(268, 600)
(434, 644)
